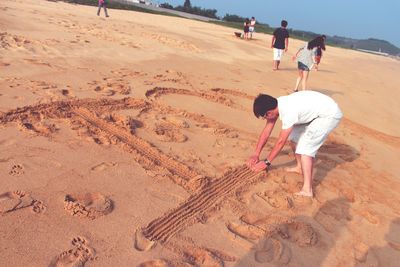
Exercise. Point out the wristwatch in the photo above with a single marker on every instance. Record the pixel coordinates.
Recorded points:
(267, 162)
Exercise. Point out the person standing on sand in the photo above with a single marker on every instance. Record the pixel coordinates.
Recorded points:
(307, 119)
(246, 26)
(102, 4)
(306, 58)
(252, 25)
(280, 43)
(318, 55)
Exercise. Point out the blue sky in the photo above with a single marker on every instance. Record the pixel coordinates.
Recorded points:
(359, 19)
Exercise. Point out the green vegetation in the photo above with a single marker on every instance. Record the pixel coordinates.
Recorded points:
(188, 8)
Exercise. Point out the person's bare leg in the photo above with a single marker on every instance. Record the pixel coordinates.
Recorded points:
(297, 168)
(305, 77)
(277, 64)
(299, 78)
(307, 164)
(274, 63)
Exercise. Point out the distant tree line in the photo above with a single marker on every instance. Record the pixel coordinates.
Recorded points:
(188, 8)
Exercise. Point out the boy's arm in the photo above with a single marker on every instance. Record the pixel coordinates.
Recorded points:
(286, 44)
(262, 140)
(283, 136)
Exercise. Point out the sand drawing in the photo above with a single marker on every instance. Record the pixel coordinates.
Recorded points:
(96, 116)
(139, 145)
(89, 205)
(174, 43)
(77, 256)
(192, 210)
(214, 96)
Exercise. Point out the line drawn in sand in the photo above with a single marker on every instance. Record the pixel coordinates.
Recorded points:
(12, 201)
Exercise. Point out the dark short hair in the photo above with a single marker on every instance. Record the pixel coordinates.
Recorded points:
(264, 103)
(317, 42)
(284, 23)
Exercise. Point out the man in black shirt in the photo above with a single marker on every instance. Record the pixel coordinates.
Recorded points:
(280, 43)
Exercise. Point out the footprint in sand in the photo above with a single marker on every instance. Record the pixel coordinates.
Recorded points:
(155, 263)
(246, 231)
(364, 255)
(65, 92)
(89, 205)
(104, 165)
(77, 256)
(141, 242)
(200, 256)
(12, 201)
(203, 257)
(273, 251)
(277, 199)
(167, 132)
(180, 123)
(300, 233)
(370, 215)
(16, 170)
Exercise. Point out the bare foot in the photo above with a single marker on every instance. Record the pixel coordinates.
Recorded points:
(304, 194)
(294, 169)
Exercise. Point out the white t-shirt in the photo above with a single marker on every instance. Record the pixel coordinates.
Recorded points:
(305, 56)
(304, 106)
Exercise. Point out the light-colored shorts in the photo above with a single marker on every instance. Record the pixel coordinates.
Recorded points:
(278, 53)
(309, 137)
(251, 29)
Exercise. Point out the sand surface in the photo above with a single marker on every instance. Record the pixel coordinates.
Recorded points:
(123, 142)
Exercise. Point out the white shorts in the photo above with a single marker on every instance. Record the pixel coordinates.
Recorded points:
(310, 137)
(278, 53)
(251, 29)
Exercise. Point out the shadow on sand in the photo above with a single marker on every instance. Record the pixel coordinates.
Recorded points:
(302, 241)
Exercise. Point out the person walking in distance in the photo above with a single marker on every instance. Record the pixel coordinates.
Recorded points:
(306, 58)
(280, 43)
(252, 25)
(102, 4)
(318, 55)
(307, 119)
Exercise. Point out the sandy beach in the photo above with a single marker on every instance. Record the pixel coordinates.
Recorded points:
(123, 142)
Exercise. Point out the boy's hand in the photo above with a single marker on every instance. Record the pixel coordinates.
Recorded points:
(260, 166)
(252, 161)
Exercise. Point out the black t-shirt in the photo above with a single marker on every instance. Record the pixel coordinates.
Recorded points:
(280, 34)
(319, 51)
